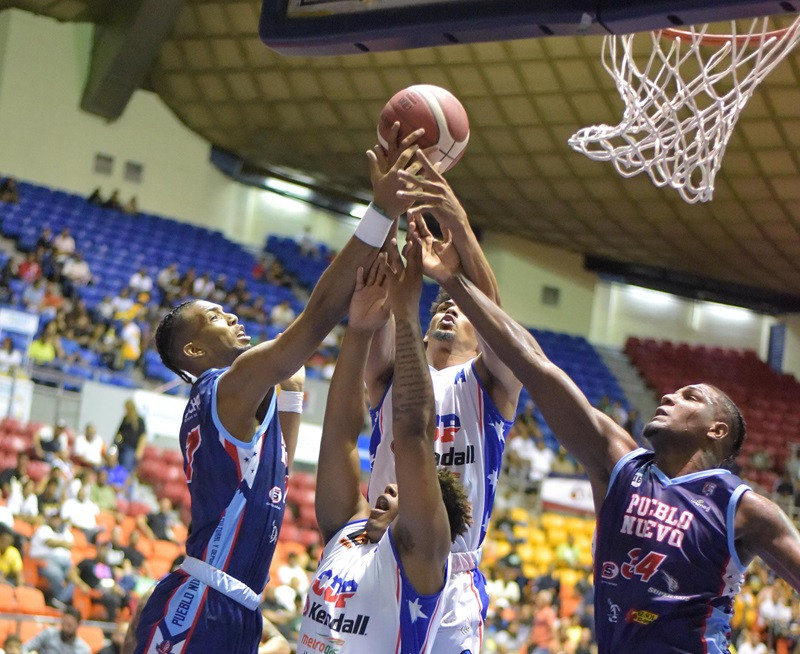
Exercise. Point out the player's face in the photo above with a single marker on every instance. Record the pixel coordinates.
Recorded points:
(449, 325)
(386, 508)
(217, 333)
(689, 410)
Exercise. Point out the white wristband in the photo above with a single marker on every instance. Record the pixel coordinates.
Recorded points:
(291, 401)
(374, 227)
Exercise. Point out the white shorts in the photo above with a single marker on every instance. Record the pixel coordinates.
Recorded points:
(464, 611)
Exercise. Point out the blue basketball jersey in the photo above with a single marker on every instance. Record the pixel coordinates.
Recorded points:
(666, 568)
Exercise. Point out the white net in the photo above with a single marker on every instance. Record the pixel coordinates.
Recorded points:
(682, 99)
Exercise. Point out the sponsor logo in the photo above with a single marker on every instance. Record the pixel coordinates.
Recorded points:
(184, 605)
(276, 495)
(609, 570)
(333, 589)
(613, 611)
(340, 624)
(672, 583)
(637, 480)
(447, 426)
(700, 502)
(322, 645)
(640, 616)
(164, 647)
(273, 537)
(454, 457)
(191, 408)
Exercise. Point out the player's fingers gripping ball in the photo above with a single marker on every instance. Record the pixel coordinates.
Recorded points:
(436, 110)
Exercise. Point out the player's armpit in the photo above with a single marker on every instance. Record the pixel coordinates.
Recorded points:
(763, 529)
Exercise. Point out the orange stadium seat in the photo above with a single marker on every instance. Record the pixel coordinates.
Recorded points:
(31, 601)
(23, 528)
(164, 549)
(157, 567)
(29, 628)
(7, 628)
(93, 636)
(8, 600)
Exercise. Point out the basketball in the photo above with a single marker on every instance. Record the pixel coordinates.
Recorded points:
(435, 109)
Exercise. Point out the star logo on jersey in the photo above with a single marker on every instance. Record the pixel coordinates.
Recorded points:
(498, 427)
(415, 610)
(493, 479)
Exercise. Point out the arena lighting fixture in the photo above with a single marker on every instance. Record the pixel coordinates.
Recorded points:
(728, 313)
(288, 188)
(648, 296)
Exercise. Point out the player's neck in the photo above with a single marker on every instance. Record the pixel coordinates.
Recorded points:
(675, 463)
(442, 355)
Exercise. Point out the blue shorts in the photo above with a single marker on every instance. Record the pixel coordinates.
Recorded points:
(185, 616)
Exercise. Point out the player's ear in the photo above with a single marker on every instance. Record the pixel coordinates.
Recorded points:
(192, 350)
(718, 430)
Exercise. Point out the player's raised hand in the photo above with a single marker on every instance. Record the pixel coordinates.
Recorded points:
(384, 169)
(440, 259)
(369, 307)
(429, 191)
(405, 281)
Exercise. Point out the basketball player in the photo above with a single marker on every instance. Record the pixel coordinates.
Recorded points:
(675, 531)
(476, 398)
(378, 585)
(237, 473)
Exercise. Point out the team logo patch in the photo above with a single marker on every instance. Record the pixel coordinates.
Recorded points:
(276, 494)
(164, 647)
(708, 488)
(637, 480)
(640, 616)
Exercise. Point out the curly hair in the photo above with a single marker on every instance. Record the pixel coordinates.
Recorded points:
(736, 423)
(441, 296)
(165, 335)
(456, 503)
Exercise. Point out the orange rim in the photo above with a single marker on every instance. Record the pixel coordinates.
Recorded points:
(722, 39)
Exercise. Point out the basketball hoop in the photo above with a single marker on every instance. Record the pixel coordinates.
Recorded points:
(683, 102)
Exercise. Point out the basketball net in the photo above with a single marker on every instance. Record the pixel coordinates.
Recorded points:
(683, 101)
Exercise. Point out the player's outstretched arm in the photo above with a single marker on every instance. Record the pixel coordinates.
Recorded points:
(241, 390)
(432, 193)
(762, 529)
(421, 530)
(590, 436)
(290, 411)
(339, 499)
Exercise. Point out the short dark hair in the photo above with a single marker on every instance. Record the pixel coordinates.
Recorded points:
(736, 423)
(441, 296)
(456, 503)
(75, 613)
(165, 336)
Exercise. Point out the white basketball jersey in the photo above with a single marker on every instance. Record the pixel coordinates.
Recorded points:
(360, 601)
(470, 437)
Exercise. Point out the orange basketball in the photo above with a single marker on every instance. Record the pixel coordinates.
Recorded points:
(435, 109)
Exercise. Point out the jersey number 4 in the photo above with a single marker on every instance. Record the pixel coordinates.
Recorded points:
(645, 567)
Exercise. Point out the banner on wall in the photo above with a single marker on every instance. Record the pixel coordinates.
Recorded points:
(567, 495)
(16, 397)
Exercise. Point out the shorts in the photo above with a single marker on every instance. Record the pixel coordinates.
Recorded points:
(464, 603)
(185, 616)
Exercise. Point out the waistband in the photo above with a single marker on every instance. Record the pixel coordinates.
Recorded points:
(222, 582)
(463, 561)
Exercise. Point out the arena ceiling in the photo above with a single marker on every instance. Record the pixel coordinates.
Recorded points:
(518, 176)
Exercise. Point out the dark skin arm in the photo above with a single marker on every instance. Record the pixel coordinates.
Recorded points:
(242, 389)
(339, 499)
(763, 529)
(421, 529)
(290, 421)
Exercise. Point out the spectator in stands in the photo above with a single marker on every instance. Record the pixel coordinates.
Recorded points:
(45, 240)
(220, 291)
(119, 477)
(618, 413)
(293, 570)
(259, 270)
(51, 546)
(276, 275)
(13, 645)
(793, 466)
(82, 513)
(633, 425)
(307, 243)
(65, 640)
(122, 303)
(46, 347)
(282, 315)
(761, 459)
(96, 197)
(563, 464)
(117, 639)
(95, 574)
(51, 496)
(131, 436)
(131, 551)
(186, 282)
(89, 448)
(102, 493)
(104, 310)
(30, 269)
(76, 274)
(24, 502)
(10, 558)
(158, 525)
(49, 440)
(168, 279)
(113, 201)
(783, 492)
(131, 207)
(272, 641)
(751, 643)
(64, 245)
(140, 281)
(542, 639)
(568, 554)
(18, 473)
(131, 335)
(33, 295)
(10, 357)
(9, 193)
(203, 287)
(52, 301)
